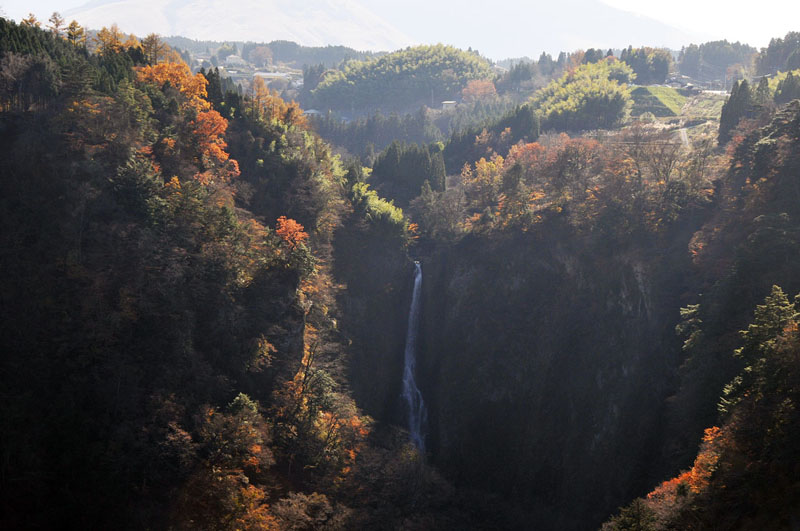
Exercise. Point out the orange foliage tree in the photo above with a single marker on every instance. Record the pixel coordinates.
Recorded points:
(207, 126)
(478, 89)
(530, 157)
(269, 105)
(291, 232)
(192, 87)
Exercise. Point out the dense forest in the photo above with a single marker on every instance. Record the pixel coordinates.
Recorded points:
(400, 79)
(205, 313)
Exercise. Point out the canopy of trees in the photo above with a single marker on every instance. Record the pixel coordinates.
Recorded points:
(711, 60)
(400, 171)
(408, 77)
(650, 65)
(468, 144)
(592, 96)
(782, 54)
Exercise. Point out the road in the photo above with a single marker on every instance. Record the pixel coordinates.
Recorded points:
(684, 136)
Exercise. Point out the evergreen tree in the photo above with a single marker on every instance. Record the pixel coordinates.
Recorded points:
(546, 64)
(788, 89)
(737, 106)
(401, 170)
(762, 94)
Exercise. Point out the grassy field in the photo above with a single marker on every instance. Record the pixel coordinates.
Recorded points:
(661, 101)
(700, 114)
(703, 106)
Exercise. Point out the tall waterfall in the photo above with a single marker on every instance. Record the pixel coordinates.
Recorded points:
(416, 406)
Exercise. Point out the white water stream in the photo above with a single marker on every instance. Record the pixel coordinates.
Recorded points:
(416, 405)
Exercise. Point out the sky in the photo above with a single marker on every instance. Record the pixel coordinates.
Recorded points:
(751, 22)
(515, 28)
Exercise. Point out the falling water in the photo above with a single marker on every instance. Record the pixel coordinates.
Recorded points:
(411, 393)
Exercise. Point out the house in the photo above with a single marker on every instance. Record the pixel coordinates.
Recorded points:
(446, 105)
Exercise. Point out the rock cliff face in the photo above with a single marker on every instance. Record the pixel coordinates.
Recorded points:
(545, 361)
(374, 316)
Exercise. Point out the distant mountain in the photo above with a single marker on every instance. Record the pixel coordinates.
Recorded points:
(346, 22)
(514, 28)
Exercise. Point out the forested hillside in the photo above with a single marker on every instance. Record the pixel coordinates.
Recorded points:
(410, 77)
(170, 345)
(205, 315)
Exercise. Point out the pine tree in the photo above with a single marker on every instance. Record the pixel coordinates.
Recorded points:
(737, 106)
(788, 89)
(762, 94)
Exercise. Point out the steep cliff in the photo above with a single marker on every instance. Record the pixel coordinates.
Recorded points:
(546, 358)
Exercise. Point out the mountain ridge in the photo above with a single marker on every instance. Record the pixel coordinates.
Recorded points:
(329, 22)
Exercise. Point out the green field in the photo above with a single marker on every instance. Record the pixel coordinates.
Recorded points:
(661, 101)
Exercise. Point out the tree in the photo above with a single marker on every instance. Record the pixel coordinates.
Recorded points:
(546, 64)
(769, 322)
(572, 165)
(261, 56)
(635, 517)
(56, 23)
(650, 65)
(154, 48)
(131, 42)
(400, 171)
(737, 106)
(192, 87)
(478, 89)
(402, 78)
(531, 158)
(590, 97)
(291, 232)
(781, 54)
(209, 129)
(762, 95)
(76, 34)
(593, 55)
(224, 51)
(268, 105)
(788, 89)
(31, 21)
(439, 213)
(13, 68)
(109, 40)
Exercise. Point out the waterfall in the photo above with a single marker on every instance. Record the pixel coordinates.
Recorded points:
(411, 393)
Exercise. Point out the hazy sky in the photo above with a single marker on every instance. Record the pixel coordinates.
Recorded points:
(512, 28)
(747, 21)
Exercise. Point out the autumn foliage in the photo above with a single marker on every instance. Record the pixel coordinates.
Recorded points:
(209, 129)
(291, 232)
(477, 90)
(268, 105)
(207, 126)
(192, 87)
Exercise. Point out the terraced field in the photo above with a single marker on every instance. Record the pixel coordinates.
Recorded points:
(661, 101)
